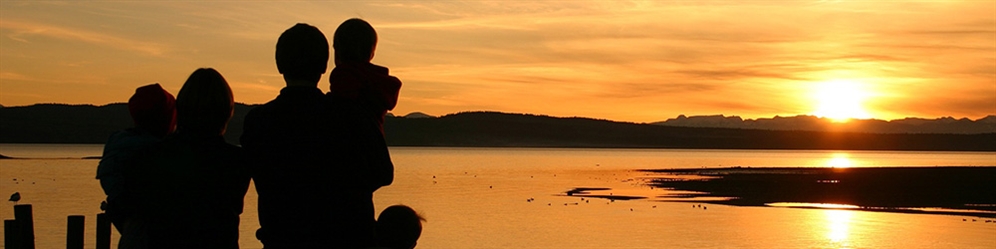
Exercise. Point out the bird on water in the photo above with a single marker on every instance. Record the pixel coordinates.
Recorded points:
(15, 197)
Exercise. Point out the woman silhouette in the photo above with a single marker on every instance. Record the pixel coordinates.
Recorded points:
(191, 185)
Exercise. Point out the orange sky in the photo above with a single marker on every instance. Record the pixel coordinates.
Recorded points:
(628, 61)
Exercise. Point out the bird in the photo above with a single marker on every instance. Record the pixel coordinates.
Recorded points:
(15, 197)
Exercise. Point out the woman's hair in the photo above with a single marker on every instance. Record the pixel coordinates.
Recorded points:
(205, 103)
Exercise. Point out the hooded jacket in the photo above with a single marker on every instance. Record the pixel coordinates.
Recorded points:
(366, 87)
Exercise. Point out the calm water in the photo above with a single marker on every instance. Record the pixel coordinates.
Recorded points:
(476, 198)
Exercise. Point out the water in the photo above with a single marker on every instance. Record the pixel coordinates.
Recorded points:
(476, 198)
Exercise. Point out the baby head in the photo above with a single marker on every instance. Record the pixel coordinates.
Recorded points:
(398, 227)
(354, 41)
(153, 109)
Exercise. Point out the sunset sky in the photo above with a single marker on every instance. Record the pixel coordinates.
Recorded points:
(628, 61)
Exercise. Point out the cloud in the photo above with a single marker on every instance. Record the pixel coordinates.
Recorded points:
(10, 76)
(23, 31)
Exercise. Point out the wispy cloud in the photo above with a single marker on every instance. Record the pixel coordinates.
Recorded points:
(24, 31)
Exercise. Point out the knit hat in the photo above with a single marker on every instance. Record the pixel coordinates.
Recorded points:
(153, 109)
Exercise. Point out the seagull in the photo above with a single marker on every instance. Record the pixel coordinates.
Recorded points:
(15, 197)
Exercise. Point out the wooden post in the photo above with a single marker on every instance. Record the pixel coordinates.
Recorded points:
(10, 234)
(25, 226)
(74, 231)
(103, 231)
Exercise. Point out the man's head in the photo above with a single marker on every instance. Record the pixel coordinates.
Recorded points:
(354, 41)
(398, 227)
(302, 53)
(153, 109)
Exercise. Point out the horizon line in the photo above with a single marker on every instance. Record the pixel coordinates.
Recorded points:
(547, 115)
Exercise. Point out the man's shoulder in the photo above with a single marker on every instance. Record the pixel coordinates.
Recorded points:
(264, 108)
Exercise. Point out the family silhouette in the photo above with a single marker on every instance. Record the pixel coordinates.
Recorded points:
(315, 158)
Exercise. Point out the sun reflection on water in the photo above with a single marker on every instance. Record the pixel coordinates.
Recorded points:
(838, 222)
(839, 160)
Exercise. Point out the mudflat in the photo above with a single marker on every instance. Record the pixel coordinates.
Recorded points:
(894, 189)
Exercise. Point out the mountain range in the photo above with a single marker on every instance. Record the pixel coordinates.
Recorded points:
(945, 125)
(60, 123)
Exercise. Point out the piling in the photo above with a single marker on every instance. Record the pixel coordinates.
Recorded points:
(103, 231)
(10, 233)
(74, 231)
(25, 226)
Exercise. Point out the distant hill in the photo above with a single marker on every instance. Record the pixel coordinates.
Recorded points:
(60, 123)
(55, 123)
(418, 115)
(946, 125)
(524, 130)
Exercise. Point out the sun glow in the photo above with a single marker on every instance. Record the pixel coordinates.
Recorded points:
(840, 100)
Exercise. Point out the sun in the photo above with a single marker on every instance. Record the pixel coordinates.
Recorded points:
(840, 100)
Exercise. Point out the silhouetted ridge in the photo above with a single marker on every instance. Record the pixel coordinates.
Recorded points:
(417, 115)
(944, 125)
(494, 129)
(55, 123)
(61, 123)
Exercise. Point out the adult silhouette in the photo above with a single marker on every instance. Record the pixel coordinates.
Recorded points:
(190, 186)
(314, 191)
